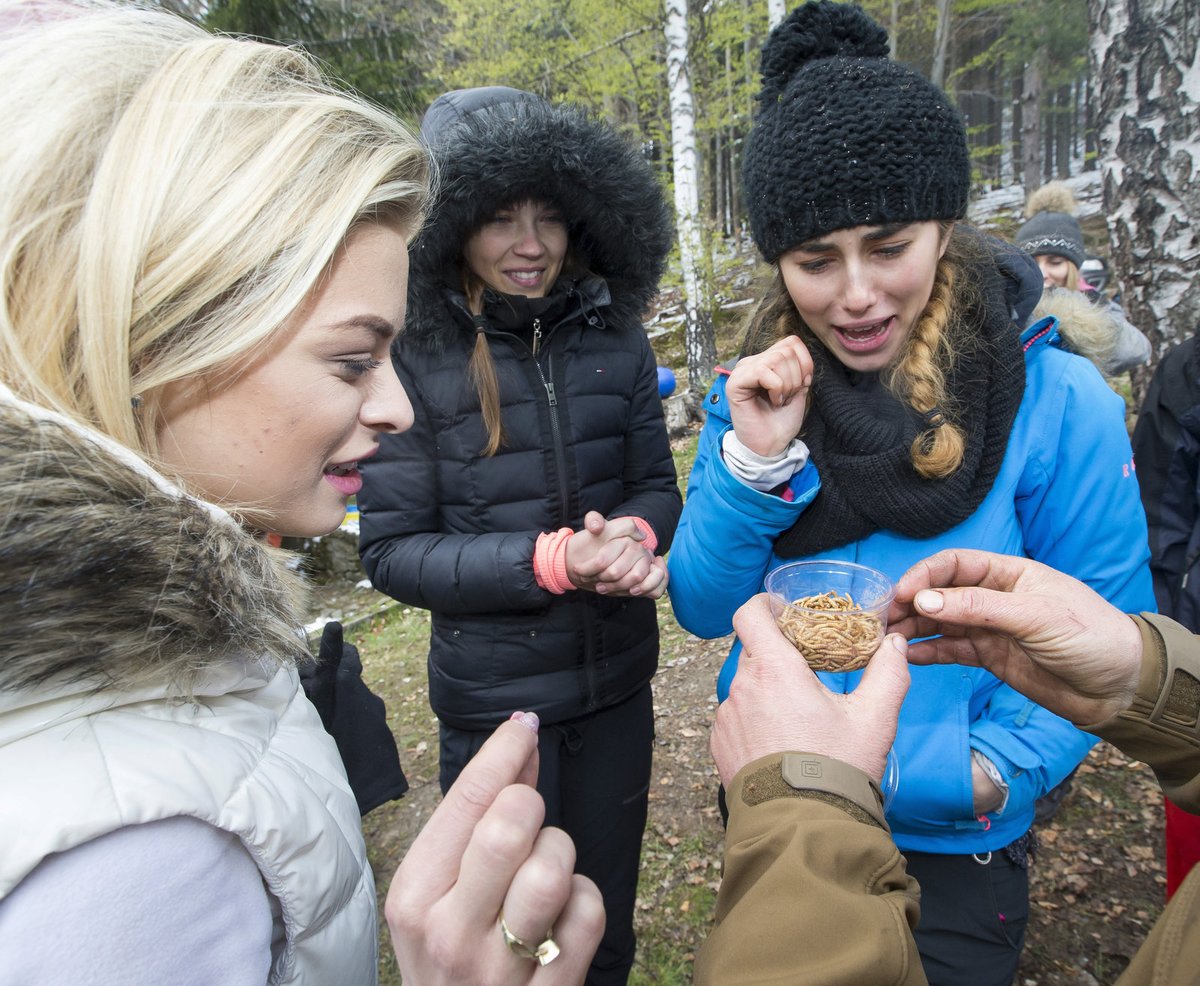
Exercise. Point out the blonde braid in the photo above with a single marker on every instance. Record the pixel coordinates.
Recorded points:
(919, 378)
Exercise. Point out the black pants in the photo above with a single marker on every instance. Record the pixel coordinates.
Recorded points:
(973, 917)
(595, 779)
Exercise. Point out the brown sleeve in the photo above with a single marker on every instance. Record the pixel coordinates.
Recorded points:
(1160, 728)
(1171, 955)
(814, 889)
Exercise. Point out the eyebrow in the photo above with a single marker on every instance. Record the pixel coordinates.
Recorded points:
(882, 233)
(380, 326)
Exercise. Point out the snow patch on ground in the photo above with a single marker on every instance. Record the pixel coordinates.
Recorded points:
(1008, 203)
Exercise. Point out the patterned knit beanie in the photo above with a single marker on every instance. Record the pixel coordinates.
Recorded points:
(1052, 227)
(845, 136)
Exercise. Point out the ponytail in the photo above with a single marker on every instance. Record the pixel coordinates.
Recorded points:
(481, 369)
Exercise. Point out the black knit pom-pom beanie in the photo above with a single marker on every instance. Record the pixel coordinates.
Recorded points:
(844, 136)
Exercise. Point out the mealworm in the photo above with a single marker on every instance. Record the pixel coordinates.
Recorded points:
(831, 631)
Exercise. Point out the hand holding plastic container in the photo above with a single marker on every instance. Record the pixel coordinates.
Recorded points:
(835, 614)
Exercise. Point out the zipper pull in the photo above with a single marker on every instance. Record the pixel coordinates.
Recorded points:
(537, 334)
(550, 393)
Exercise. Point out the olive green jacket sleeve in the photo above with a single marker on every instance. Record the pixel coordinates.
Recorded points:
(815, 891)
(1161, 729)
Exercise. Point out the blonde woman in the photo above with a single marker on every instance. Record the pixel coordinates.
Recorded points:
(202, 257)
(889, 404)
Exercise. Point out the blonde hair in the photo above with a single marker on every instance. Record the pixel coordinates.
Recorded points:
(168, 199)
(919, 375)
(1072, 280)
(481, 368)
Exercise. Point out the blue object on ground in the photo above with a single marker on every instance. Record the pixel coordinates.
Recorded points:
(666, 381)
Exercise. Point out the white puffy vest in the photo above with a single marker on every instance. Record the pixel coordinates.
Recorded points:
(247, 755)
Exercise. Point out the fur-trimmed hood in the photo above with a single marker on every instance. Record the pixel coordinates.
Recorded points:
(1086, 328)
(497, 146)
(113, 578)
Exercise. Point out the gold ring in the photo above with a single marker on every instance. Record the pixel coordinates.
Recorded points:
(542, 954)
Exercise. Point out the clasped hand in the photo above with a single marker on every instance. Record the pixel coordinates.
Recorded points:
(609, 558)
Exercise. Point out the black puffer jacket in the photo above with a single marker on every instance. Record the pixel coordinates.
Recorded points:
(1166, 448)
(452, 531)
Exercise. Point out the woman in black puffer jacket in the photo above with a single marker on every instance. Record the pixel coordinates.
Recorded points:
(530, 504)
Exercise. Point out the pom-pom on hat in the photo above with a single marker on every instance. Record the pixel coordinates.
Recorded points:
(845, 136)
(1052, 227)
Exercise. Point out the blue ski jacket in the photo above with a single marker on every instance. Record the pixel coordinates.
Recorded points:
(1066, 495)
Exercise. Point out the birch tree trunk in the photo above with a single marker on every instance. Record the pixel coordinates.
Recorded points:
(1031, 123)
(699, 340)
(1147, 76)
(776, 12)
(941, 43)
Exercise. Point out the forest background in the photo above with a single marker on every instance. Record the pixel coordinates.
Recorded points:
(1048, 89)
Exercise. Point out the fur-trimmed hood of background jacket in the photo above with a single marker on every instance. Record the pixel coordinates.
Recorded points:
(499, 146)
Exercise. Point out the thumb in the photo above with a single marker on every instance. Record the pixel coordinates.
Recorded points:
(331, 644)
(885, 681)
(985, 609)
(594, 522)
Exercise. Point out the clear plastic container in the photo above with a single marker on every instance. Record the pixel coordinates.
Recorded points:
(891, 779)
(835, 613)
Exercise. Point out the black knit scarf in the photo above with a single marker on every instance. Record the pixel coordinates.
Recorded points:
(860, 436)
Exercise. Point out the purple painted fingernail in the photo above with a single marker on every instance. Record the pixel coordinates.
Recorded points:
(527, 719)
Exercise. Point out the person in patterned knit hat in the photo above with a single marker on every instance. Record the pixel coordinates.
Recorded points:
(889, 402)
(1098, 330)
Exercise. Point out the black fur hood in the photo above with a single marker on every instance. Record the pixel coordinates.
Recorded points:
(113, 578)
(496, 146)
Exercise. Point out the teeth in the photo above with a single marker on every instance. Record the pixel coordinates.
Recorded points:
(344, 469)
(866, 331)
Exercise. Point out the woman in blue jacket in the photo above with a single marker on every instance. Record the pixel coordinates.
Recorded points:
(887, 405)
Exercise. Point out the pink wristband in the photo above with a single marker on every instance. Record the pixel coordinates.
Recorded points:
(650, 541)
(550, 561)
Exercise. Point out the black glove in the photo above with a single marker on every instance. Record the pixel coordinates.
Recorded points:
(356, 719)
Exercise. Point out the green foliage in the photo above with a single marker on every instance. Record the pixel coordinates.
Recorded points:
(604, 55)
(1015, 31)
(366, 46)
(1059, 27)
(285, 21)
